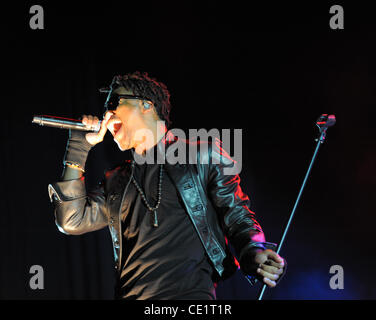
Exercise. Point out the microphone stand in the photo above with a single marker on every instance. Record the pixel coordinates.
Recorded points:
(109, 91)
(323, 123)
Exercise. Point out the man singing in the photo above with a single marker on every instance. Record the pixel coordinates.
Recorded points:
(169, 222)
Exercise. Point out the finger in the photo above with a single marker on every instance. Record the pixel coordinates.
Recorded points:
(275, 257)
(103, 129)
(108, 115)
(271, 269)
(273, 264)
(269, 275)
(269, 283)
(89, 120)
(84, 119)
(111, 120)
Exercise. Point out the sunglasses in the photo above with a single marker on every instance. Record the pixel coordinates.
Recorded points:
(114, 100)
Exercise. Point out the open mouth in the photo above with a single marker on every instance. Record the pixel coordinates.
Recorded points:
(114, 125)
(117, 127)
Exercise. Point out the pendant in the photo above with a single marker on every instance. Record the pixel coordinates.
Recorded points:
(155, 219)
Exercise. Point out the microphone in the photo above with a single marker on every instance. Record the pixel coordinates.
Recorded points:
(64, 123)
(323, 123)
(326, 121)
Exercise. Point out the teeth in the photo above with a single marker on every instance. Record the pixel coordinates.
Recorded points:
(114, 121)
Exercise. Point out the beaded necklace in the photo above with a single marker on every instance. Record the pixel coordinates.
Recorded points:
(143, 197)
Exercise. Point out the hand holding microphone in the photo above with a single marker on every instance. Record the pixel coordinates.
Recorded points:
(88, 123)
(96, 137)
(80, 143)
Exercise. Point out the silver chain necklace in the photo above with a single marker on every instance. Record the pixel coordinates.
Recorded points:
(143, 197)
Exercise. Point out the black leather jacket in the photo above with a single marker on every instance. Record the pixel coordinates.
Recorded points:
(215, 203)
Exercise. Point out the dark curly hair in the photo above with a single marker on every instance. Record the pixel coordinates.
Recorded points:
(141, 84)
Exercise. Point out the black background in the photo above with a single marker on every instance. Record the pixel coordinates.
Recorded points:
(269, 70)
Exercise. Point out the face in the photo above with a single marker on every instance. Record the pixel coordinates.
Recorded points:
(127, 121)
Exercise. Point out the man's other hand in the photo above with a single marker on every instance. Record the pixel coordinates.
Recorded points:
(269, 266)
(96, 137)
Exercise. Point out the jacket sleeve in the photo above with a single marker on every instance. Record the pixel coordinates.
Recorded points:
(78, 212)
(233, 207)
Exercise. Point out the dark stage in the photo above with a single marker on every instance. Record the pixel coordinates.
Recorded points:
(269, 70)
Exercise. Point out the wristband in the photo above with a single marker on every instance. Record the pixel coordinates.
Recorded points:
(73, 165)
(77, 149)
